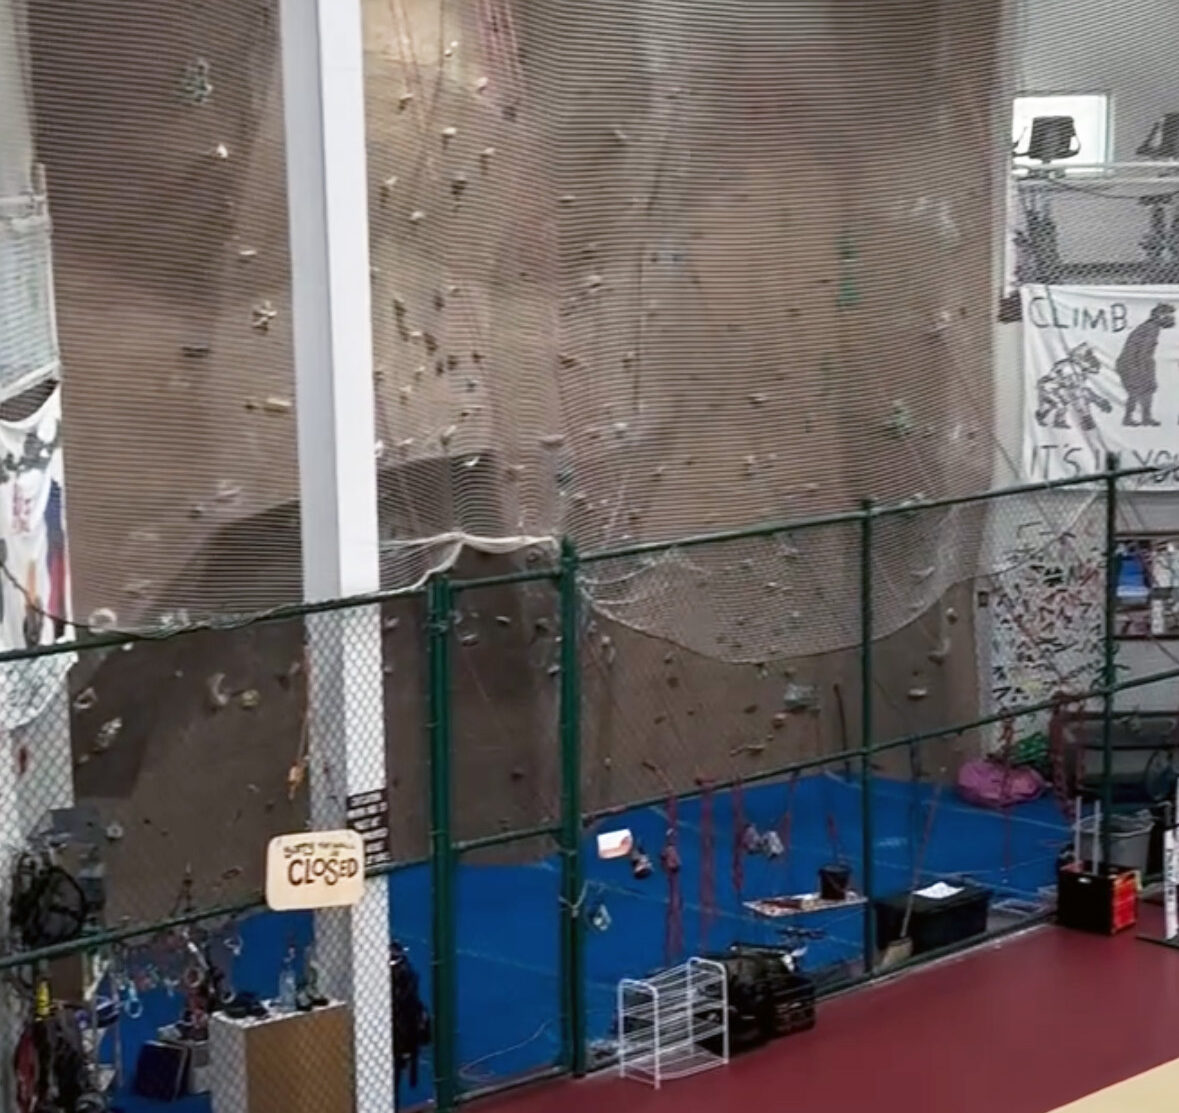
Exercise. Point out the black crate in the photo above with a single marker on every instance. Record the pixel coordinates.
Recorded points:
(934, 924)
(766, 1000)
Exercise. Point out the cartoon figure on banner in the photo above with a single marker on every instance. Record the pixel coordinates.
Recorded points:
(1066, 390)
(1136, 365)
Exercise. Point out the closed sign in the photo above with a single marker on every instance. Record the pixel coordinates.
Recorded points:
(314, 869)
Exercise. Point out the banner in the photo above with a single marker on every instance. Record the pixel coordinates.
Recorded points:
(34, 561)
(1100, 375)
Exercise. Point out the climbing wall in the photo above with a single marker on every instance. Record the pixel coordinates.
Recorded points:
(640, 270)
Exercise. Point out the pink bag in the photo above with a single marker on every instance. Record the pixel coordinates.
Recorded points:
(990, 784)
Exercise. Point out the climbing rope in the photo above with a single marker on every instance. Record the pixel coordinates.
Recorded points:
(669, 859)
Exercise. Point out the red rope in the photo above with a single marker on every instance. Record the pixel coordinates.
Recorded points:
(707, 867)
(673, 935)
(738, 840)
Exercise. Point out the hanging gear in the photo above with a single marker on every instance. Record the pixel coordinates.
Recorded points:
(48, 906)
(669, 860)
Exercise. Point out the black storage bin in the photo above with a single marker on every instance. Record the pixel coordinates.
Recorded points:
(934, 923)
(765, 999)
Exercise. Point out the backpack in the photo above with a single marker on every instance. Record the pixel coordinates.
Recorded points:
(412, 1029)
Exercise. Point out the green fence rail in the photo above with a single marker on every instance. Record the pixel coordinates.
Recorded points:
(568, 821)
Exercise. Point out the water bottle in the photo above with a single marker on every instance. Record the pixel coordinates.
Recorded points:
(287, 987)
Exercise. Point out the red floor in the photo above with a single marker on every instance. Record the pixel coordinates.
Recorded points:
(1022, 1027)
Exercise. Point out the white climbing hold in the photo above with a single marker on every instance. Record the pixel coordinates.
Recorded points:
(85, 699)
(481, 84)
(939, 654)
(262, 314)
(102, 619)
(486, 155)
(387, 187)
(245, 254)
(219, 152)
(107, 733)
(918, 692)
(593, 281)
(447, 435)
(951, 615)
(218, 696)
(620, 135)
(449, 133)
(403, 101)
(114, 831)
(471, 462)
(277, 404)
(379, 449)
(249, 699)
(227, 490)
(567, 198)
(405, 392)
(757, 398)
(451, 47)
(920, 574)
(417, 216)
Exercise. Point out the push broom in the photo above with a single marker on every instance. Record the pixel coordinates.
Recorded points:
(901, 949)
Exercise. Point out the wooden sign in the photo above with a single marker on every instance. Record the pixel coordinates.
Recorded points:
(314, 869)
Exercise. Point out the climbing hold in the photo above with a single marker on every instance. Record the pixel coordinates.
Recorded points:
(195, 351)
(619, 135)
(403, 101)
(481, 84)
(757, 398)
(502, 620)
(552, 440)
(218, 696)
(939, 654)
(567, 199)
(114, 831)
(800, 697)
(245, 254)
(220, 152)
(137, 588)
(951, 615)
(593, 282)
(387, 187)
(102, 619)
(918, 692)
(554, 670)
(485, 156)
(197, 510)
(405, 393)
(448, 134)
(249, 699)
(900, 420)
(920, 574)
(85, 699)
(276, 404)
(469, 639)
(227, 490)
(390, 624)
(779, 720)
(451, 47)
(261, 316)
(107, 733)
(195, 85)
(417, 216)
(447, 435)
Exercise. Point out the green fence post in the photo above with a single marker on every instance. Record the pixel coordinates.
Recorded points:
(868, 512)
(573, 1034)
(1108, 653)
(445, 957)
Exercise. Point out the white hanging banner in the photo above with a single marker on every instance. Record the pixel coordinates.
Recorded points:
(1100, 375)
(34, 560)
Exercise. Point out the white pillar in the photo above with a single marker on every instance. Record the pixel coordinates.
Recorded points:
(323, 94)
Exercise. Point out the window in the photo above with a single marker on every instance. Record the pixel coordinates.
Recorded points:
(1090, 113)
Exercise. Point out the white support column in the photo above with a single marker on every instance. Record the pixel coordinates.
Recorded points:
(323, 93)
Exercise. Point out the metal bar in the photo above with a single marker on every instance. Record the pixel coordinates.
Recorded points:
(866, 728)
(506, 838)
(100, 939)
(767, 529)
(445, 957)
(747, 779)
(506, 580)
(573, 1028)
(1108, 654)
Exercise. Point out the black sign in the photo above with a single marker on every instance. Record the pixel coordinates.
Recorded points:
(368, 815)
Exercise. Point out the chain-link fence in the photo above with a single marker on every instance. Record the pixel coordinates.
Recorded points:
(856, 808)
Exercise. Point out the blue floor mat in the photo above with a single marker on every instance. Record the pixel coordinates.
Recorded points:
(508, 915)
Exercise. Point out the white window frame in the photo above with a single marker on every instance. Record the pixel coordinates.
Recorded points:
(1092, 112)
